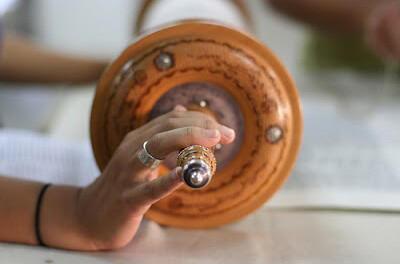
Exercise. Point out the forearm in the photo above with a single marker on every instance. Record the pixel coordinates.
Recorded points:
(23, 61)
(341, 16)
(59, 226)
(17, 209)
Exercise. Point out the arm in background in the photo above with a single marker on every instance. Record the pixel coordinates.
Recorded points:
(340, 16)
(376, 21)
(23, 61)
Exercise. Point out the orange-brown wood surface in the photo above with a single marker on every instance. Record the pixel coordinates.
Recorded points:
(239, 64)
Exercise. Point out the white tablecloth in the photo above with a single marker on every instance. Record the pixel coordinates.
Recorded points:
(269, 236)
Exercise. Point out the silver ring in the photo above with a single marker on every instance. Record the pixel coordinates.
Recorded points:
(146, 158)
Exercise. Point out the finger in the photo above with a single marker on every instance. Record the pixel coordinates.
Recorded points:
(141, 134)
(142, 173)
(376, 33)
(152, 191)
(389, 35)
(152, 175)
(380, 43)
(227, 134)
(167, 142)
(153, 127)
(383, 31)
(178, 112)
(171, 121)
(164, 143)
(377, 38)
(176, 121)
(394, 32)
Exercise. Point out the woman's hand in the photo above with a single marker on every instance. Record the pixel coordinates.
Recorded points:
(383, 30)
(110, 210)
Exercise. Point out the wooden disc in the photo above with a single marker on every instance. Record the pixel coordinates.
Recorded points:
(262, 90)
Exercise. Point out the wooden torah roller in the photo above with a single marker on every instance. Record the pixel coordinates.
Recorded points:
(226, 73)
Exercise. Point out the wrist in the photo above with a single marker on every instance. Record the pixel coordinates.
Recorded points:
(59, 222)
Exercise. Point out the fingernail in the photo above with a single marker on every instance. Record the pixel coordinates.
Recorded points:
(178, 173)
(152, 175)
(228, 132)
(180, 108)
(212, 133)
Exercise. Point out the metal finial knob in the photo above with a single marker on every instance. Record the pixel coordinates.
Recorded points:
(198, 165)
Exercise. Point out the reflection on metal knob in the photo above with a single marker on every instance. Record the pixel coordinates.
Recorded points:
(198, 165)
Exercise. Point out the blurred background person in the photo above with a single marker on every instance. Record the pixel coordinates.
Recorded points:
(360, 34)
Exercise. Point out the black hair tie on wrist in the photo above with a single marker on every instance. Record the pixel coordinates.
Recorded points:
(37, 214)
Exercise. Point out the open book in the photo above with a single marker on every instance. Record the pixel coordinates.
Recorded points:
(346, 160)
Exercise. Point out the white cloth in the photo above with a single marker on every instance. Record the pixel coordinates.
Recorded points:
(37, 157)
(270, 236)
(169, 11)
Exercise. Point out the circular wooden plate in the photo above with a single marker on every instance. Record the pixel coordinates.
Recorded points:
(221, 57)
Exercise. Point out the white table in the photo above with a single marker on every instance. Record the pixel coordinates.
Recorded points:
(269, 236)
